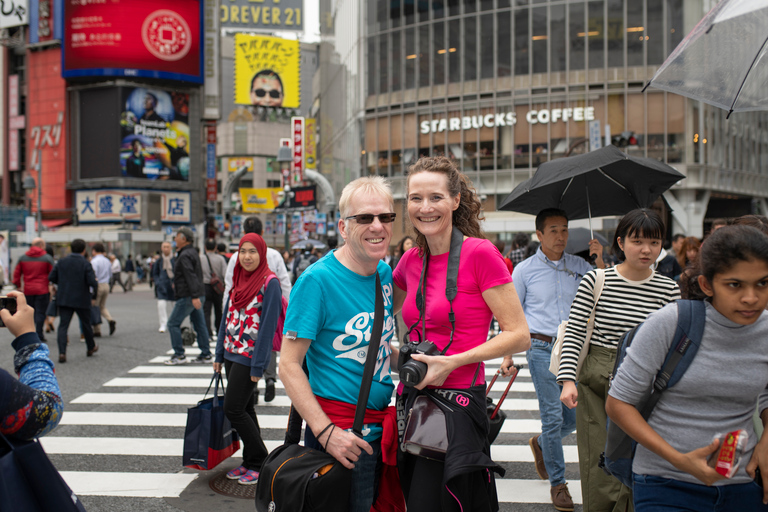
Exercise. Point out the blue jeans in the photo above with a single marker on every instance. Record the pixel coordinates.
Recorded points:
(657, 494)
(557, 421)
(181, 310)
(365, 476)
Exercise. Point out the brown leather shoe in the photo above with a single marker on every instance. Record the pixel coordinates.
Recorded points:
(538, 458)
(93, 351)
(62, 358)
(561, 498)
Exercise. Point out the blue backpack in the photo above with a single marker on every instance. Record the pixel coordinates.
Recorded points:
(619, 452)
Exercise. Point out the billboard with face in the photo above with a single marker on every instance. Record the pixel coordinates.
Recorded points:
(267, 71)
(154, 126)
(133, 38)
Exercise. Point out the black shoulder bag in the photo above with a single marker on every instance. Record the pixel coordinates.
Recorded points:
(295, 478)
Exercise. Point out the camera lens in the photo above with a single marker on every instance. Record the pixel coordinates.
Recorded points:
(413, 372)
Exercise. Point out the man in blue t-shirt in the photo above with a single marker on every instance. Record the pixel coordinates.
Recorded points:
(329, 320)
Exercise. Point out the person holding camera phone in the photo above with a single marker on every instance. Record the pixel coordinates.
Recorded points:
(31, 406)
(440, 199)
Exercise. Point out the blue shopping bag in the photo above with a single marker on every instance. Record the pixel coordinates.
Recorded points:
(209, 437)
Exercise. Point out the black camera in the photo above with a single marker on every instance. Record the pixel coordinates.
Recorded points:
(8, 303)
(411, 371)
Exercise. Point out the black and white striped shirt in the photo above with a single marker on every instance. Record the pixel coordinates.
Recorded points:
(622, 305)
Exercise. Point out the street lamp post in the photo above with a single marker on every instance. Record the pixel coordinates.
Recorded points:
(285, 159)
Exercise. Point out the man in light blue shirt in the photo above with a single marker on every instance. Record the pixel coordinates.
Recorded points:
(546, 284)
(103, 270)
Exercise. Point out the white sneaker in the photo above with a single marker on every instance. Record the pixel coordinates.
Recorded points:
(162, 329)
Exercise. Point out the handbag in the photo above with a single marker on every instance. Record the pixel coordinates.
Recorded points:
(557, 347)
(295, 478)
(95, 315)
(209, 437)
(216, 282)
(30, 482)
(425, 432)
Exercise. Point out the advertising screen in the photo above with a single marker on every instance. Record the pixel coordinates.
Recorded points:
(154, 126)
(133, 38)
(267, 71)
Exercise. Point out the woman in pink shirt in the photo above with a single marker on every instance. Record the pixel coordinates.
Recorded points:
(440, 199)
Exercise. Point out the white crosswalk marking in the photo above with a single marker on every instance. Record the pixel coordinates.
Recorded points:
(153, 397)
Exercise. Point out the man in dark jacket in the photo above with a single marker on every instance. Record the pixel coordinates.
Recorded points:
(190, 296)
(33, 269)
(77, 289)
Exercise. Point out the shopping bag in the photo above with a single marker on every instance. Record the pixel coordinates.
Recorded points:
(30, 482)
(95, 315)
(209, 437)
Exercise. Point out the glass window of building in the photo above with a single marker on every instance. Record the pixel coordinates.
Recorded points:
(397, 60)
(577, 36)
(655, 139)
(440, 122)
(636, 34)
(636, 123)
(557, 39)
(504, 45)
(424, 56)
(486, 5)
(470, 48)
(539, 39)
(382, 14)
(438, 9)
(395, 12)
(396, 144)
(675, 23)
(408, 10)
(486, 46)
(454, 7)
(615, 32)
(596, 34)
(423, 9)
(522, 42)
(372, 65)
(409, 139)
(440, 52)
(470, 6)
(373, 6)
(454, 51)
(410, 58)
(382, 162)
(655, 32)
(383, 59)
(676, 128)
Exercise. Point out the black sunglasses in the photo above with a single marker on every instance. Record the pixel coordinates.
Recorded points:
(367, 218)
(273, 93)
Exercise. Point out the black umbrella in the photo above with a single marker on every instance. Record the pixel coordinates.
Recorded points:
(579, 238)
(603, 182)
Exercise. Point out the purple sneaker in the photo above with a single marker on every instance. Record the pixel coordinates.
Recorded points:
(249, 478)
(236, 473)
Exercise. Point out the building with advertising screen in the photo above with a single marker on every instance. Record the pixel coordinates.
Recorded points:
(500, 86)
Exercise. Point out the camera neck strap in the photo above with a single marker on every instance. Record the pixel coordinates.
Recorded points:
(451, 286)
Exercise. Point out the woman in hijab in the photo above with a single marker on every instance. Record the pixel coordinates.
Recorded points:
(244, 348)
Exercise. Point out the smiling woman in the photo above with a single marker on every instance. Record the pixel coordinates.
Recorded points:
(445, 212)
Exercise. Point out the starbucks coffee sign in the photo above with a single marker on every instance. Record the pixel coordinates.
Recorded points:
(544, 116)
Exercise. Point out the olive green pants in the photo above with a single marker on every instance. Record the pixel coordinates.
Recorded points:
(600, 492)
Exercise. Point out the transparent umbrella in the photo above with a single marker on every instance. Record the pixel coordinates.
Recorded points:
(722, 61)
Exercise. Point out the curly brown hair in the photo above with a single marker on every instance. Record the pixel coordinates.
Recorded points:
(468, 215)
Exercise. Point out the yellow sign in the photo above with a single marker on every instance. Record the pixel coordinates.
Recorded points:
(310, 143)
(267, 71)
(260, 199)
(235, 163)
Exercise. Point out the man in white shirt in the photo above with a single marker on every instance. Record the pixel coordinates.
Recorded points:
(103, 270)
(276, 264)
(116, 270)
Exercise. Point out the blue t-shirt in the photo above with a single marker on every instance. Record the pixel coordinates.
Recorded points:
(334, 308)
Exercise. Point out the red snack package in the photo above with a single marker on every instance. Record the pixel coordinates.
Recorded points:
(726, 460)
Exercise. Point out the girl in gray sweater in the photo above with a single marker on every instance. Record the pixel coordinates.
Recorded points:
(717, 394)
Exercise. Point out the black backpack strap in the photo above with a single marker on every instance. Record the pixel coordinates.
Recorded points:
(691, 317)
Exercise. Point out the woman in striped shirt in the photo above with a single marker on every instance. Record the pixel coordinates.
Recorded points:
(631, 292)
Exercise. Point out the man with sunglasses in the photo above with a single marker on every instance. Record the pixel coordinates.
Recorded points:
(267, 89)
(329, 320)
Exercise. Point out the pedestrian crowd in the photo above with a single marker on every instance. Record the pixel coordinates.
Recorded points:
(442, 288)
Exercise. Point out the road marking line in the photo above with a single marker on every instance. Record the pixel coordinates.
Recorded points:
(134, 485)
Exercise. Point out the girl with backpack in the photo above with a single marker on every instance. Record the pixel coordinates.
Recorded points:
(715, 395)
(631, 291)
(244, 348)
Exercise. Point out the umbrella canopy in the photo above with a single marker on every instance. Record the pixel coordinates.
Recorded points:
(579, 238)
(722, 61)
(603, 182)
(316, 244)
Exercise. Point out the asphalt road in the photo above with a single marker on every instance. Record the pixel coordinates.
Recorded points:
(104, 446)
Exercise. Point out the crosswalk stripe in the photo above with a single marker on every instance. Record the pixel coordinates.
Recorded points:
(134, 485)
(531, 491)
(159, 382)
(277, 421)
(153, 447)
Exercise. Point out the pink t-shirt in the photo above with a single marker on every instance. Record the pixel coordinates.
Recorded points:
(481, 267)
